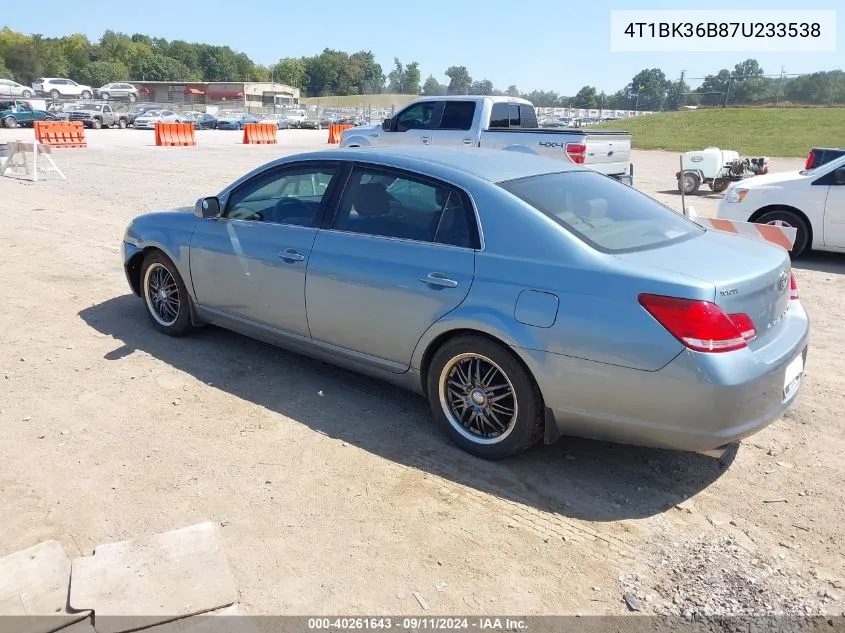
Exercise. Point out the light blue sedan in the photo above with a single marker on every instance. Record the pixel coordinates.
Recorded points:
(523, 297)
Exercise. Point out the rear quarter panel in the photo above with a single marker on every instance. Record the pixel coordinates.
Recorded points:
(598, 316)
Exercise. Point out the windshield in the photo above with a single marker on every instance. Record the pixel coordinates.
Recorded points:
(604, 213)
(152, 113)
(90, 106)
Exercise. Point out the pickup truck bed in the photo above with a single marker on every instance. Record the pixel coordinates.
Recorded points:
(606, 151)
(821, 155)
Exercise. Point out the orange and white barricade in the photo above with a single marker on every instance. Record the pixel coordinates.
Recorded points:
(783, 236)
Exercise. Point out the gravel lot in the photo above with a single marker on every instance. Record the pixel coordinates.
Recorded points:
(336, 493)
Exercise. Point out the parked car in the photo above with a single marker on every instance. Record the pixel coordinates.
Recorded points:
(55, 87)
(117, 91)
(313, 123)
(148, 120)
(820, 155)
(9, 88)
(279, 120)
(474, 122)
(296, 117)
(201, 120)
(98, 115)
(606, 315)
(811, 200)
(234, 120)
(137, 111)
(20, 113)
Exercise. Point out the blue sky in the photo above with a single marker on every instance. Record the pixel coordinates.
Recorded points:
(557, 46)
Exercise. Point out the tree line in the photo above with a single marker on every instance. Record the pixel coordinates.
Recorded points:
(121, 57)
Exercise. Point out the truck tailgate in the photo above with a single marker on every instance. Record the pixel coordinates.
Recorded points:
(608, 153)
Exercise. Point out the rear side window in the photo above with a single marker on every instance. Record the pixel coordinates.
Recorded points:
(499, 115)
(457, 115)
(604, 213)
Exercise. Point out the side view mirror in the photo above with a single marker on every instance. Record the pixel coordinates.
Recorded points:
(385, 125)
(207, 207)
(839, 176)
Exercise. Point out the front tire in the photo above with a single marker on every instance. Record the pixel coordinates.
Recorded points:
(96, 124)
(86, 94)
(484, 399)
(165, 295)
(54, 94)
(26, 94)
(121, 123)
(783, 217)
(105, 96)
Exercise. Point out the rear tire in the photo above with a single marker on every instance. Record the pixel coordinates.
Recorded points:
(86, 94)
(132, 97)
(720, 184)
(54, 94)
(689, 182)
(165, 295)
(26, 94)
(105, 96)
(483, 398)
(784, 217)
(10, 122)
(121, 123)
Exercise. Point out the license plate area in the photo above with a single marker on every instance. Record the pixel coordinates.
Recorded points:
(792, 376)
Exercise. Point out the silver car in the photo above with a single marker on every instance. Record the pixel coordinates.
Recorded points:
(9, 88)
(117, 90)
(523, 297)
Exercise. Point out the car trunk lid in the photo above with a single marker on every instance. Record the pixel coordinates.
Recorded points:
(610, 152)
(749, 276)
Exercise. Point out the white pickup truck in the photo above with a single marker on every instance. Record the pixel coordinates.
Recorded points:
(498, 123)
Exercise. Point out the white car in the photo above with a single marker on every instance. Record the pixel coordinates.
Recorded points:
(9, 88)
(812, 201)
(149, 119)
(55, 87)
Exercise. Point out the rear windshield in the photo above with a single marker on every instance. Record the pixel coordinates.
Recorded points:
(606, 214)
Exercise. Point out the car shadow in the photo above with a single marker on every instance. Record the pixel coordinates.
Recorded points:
(707, 195)
(821, 261)
(574, 477)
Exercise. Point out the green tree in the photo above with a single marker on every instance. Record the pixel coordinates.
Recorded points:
(586, 98)
(512, 91)
(371, 78)
(290, 71)
(51, 57)
(97, 74)
(22, 60)
(154, 67)
(77, 50)
(396, 77)
(217, 63)
(433, 88)
(5, 73)
(483, 87)
(411, 79)
(649, 88)
(748, 85)
(712, 90)
(460, 80)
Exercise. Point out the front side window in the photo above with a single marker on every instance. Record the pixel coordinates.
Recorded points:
(602, 212)
(417, 117)
(287, 196)
(381, 202)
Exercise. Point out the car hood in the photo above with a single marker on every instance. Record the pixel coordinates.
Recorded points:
(769, 180)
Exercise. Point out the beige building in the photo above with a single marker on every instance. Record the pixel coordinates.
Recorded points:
(246, 94)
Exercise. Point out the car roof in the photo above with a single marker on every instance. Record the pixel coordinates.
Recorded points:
(487, 164)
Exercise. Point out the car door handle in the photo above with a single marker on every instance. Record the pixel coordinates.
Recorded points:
(291, 255)
(439, 279)
(426, 140)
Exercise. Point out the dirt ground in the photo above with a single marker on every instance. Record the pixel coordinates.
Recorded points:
(336, 493)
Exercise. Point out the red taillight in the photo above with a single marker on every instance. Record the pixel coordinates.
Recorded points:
(811, 157)
(577, 152)
(793, 287)
(700, 325)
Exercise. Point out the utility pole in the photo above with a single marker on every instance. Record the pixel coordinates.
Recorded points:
(680, 87)
(780, 81)
(727, 92)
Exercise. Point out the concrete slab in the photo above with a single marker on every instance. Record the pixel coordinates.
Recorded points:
(153, 579)
(83, 626)
(34, 585)
(227, 620)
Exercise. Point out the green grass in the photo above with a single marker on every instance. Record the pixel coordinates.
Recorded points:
(358, 101)
(749, 131)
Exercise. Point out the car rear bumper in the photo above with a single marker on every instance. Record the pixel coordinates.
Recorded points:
(698, 402)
